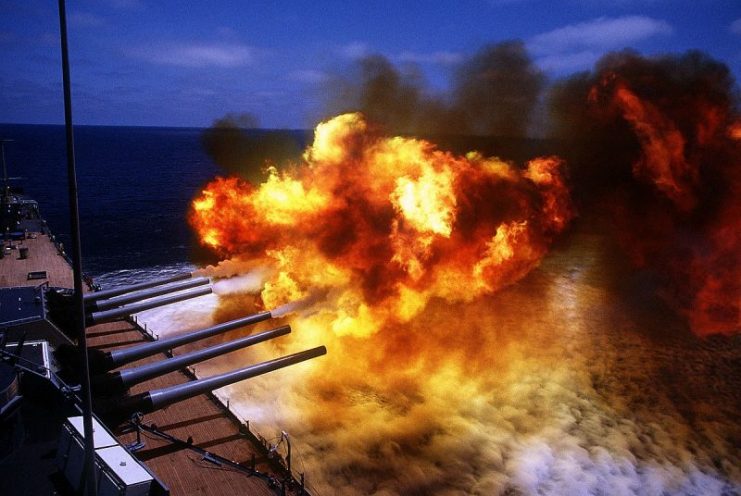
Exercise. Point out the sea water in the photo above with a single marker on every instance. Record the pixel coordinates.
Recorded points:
(135, 185)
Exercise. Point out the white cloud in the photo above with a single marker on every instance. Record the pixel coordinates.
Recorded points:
(355, 50)
(736, 26)
(568, 62)
(603, 33)
(310, 76)
(441, 57)
(85, 19)
(126, 4)
(198, 55)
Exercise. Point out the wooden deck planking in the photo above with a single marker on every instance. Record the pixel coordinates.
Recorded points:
(42, 256)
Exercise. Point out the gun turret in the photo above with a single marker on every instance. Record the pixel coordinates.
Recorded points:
(103, 361)
(125, 311)
(117, 410)
(120, 380)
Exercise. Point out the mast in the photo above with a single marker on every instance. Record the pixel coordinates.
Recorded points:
(6, 185)
(79, 306)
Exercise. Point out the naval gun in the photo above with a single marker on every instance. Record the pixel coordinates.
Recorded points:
(119, 381)
(103, 361)
(115, 411)
(95, 303)
(110, 315)
(120, 303)
(110, 293)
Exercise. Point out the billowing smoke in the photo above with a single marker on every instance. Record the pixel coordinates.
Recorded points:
(239, 147)
(652, 146)
(496, 92)
(492, 93)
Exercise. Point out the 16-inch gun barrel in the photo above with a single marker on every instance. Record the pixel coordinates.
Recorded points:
(160, 398)
(110, 293)
(105, 361)
(118, 381)
(125, 311)
(132, 297)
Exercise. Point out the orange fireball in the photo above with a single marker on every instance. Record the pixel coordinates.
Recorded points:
(386, 223)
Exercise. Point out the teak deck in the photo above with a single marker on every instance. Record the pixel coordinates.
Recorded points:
(43, 255)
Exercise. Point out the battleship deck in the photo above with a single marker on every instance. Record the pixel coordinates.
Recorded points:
(202, 419)
(42, 256)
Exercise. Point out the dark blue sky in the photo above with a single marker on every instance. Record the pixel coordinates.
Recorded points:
(178, 63)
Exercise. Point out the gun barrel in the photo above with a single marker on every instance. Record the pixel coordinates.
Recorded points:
(116, 358)
(160, 398)
(121, 312)
(110, 293)
(123, 379)
(117, 301)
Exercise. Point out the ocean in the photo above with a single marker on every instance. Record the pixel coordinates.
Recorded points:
(135, 185)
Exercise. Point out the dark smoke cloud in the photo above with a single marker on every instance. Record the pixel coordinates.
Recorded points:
(602, 146)
(672, 112)
(496, 91)
(238, 146)
(392, 97)
(493, 93)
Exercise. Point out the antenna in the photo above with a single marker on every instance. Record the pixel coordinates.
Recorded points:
(6, 187)
(79, 305)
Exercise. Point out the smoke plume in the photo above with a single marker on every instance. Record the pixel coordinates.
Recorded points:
(239, 147)
(492, 93)
(651, 142)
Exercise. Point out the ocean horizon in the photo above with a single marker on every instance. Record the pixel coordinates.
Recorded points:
(135, 185)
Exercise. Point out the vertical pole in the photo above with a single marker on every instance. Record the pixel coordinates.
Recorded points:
(79, 308)
(5, 168)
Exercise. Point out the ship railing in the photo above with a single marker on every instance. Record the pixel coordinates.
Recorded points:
(245, 429)
(15, 322)
(143, 328)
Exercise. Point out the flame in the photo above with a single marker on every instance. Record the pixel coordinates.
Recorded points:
(734, 131)
(688, 155)
(663, 161)
(386, 223)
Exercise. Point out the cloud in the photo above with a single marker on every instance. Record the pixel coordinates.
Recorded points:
(126, 4)
(85, 19)
(354, 50)
(566, 62)
(440, 57)
(736, 26)
(311, 76)
(603, 33)
(198, 55)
